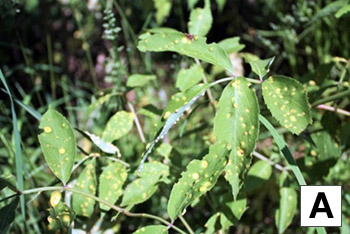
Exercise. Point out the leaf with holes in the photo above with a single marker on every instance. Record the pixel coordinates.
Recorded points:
(112, 179)
(257, 175)
(189, 77)
(237, 122)
(139, 190)
(287, 209)
(139, 80)
(151, 229)
(287, 101)
(86, 183)
(118, 125)
(58, 144)
(200, 176)
(178, 42)
(201, 20)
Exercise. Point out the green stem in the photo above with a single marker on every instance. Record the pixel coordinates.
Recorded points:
(331, 98)
(52, 74)
(114, 207)
(188, 227)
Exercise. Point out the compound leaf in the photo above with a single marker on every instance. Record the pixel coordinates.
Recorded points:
(112, 179)
(237, 122)
(58, 144)
(178, 42)
(118, 125)
(86, 183)
(287, 101)
(201, 20)
(200, 176)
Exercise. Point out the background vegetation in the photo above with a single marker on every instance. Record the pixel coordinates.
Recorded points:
(80, 58)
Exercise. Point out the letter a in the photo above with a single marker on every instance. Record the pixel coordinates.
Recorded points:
(316, 208)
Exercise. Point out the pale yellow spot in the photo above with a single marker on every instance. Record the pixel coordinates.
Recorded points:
(55, 198)
(228, 115)
(176, 41)
(204, 164)
(235, 105)
(66, 218)
(61, 151)
(167, 114)
(195, 176)
(247, 110)
(293, 118)
(47, 129)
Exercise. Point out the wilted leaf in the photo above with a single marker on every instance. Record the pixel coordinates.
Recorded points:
(287, 101)
(201, 20)
(200, 176)
(138, 80)
(118, 125)
(58, 144)
(112, 179)
(258, 174)
(86, 183)
(7, 214)
(189, 77)
(287, 209)
(237, 122)
(231, 45)
(178, 42)
(152, 229)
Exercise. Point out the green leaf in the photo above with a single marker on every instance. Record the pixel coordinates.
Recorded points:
(233, 211)
(7, 214)
(178, 42)
(5, 183)
(237, 122)
(258, 174)
(189, 77)
(155, 170)
(201, 20)
(139, 191)
(287, 101)
(221, 4)
(163, 8)
(152, 229)
(58, 144)
(200, 176)
(231, 45)
(139, 80)
(210, 224)
(345, 9)
(191, 4)
(287, 209)
(96, 104)
(112, 179)
(259, 66)
(86, 183)
(118, 125)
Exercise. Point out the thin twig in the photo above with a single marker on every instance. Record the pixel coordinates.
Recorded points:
(262, 157)
(137, 122)
(187, 226)
(210, 95)
(114, 207)
(336, 110)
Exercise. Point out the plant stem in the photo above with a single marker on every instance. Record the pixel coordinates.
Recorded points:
(331, 98)
(114, 207)
(137, 122)
(188, 227)
(262, 157)
(336, 110)
(210, 95)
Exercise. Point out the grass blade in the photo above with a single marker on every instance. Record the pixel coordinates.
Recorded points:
(18, 151)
